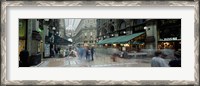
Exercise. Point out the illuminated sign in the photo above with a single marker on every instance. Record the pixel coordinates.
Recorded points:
(169, 39)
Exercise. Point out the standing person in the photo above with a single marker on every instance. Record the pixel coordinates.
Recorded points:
(77, 49)
(125, 54)
(81, 50)
(24, 59)
(84, 51)
(87, 53)
(176, 62)
(58, 50)
(52, 52)
(158, 60)
(92, 53)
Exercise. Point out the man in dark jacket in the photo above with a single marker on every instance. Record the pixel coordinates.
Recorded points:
(24, 59)
(92, 53)
(176, 62)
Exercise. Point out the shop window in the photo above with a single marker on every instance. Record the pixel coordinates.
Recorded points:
(169, 45)
(85, 41)
(166, 45)
(91, 41)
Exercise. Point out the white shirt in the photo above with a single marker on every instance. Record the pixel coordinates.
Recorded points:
(158, 62)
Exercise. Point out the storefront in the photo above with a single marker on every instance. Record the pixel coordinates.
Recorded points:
(127, 42)
(174, 44)
(169, 34)
(22, 35)
(138, 43)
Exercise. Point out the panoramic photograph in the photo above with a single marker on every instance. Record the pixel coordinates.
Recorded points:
(99, 42)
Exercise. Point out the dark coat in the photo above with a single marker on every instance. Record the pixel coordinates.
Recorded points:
(175, 63)
(92, 50)
(24, 57)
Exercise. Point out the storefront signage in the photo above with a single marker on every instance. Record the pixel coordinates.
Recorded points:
(169, 39)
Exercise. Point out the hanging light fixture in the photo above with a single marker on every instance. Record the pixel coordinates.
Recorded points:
(146, 28)
(54, 28)
(124, 32)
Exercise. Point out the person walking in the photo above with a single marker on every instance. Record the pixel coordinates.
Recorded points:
(87, 53)
(92, 53)
(81, 52)
(52, 52)
(77, 49)
(158, 60)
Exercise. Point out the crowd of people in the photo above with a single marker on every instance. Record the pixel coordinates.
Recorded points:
(159, 60)
(85, 52)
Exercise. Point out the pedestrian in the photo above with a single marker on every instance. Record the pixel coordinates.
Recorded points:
(87, 53)
(92, 53)
(52, 52)
(55, 50)
(158, 60)
(77, 51)
(125, 54)
(24, 57)
(81, 50)
(58, 50)
(176, 62)
(121, 54)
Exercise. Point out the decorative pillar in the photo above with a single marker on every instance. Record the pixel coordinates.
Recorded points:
(156, 35)
(29, 36)
(43, 41)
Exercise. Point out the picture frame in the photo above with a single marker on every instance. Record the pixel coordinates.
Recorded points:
(4, 52)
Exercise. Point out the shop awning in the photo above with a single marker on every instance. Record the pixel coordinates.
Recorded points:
(119, 39)
(129, 37)
(104, 41)
(137, 42)
(110, 40)
(61, 41)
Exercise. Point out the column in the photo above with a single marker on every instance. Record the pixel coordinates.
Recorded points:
(156, 35)
(43, 34)
(29, 36)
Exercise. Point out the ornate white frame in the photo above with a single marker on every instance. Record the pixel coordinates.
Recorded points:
(5, 4)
